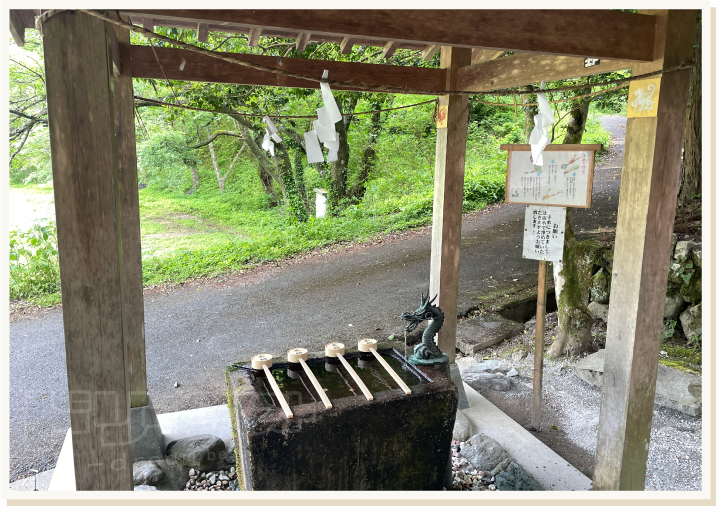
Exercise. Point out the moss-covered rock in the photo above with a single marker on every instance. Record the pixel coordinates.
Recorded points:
(599, 288)
(691, 289)
(691, 321)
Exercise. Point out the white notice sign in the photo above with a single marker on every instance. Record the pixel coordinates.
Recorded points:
(544, 233)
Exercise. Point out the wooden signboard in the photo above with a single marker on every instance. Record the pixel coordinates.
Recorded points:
(565, 179)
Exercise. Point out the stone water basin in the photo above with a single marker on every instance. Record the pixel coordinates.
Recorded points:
(397, 441)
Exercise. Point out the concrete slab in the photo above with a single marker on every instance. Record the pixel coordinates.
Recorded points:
(30, 485)
(193, 422)
(548, 468)
(674, 389)
(484, 331)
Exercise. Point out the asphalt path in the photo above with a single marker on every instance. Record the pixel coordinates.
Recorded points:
(345, 294)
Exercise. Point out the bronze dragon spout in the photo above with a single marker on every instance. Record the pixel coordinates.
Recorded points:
(426, 349)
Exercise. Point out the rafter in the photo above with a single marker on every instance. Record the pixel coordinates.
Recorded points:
(202, 32)
(254, 35)
(389, 48)
(525, 68)
(302, 41)
(198, 67)
(429, 52)
(482, 55)
(17, 28)
(148, 23)
(346, 45)
(592, 33)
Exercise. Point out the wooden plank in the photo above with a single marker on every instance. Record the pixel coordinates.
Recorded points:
(28, 17)
(553, 147)
(539, 345)
(389, 48)
(429, 52)
(148, 23)
(347, 45)
(132, 282)
(592, 33)
(647, 202)
(483, 55)
(450, 149)
(17, 28)
(524, 68)
(254, 35)
(202, 32)
(85, 171)
(208, 69)
(302, 41)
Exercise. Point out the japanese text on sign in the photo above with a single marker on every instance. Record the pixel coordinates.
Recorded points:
(544, 233)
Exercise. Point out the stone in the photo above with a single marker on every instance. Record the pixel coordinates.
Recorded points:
(485, 380)
(512, 372)
(696, 256)
(599, 288)
(501, 467)
(683, 249)
(199, 452)
(145, 488)
(147, 438)
(675, 389)
(486, 330)
(691, 288)
(491, 366)
(674, 240)
(691, 321)
(463, 429)
(146, 472)
(599, 310)
(175, 474)
(673, 304)
(483, 452)
(519, 355)
(228, 456)
(212, 480)
(515, 478)
(674, 276)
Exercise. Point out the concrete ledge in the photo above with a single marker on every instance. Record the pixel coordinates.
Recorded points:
(29, 484)
(548, 468)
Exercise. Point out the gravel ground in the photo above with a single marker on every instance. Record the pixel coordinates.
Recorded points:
(572, 406)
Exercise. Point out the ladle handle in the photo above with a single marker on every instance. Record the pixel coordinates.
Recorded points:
(355, 377)
(279, 395)
(394, 374)
(316, 384)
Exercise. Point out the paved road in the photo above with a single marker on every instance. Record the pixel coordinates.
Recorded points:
(193, 332)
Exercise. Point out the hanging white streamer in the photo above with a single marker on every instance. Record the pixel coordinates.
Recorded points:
(313, 148)
(333, 114)
(332, 149)
(539, 137)
(271, 133)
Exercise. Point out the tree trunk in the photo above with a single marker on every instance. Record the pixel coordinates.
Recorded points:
(296, 206)
(691, 164)
(368, 162)
(530, 111)
(574, 330)
(194, 180)
(339, 168)
(221, 179)
(266, 173)
(298, 177)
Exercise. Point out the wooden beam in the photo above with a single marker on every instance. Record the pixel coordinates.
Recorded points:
(17, 28)
(254, 35)
(647, 203)
(451, 143)
(389, 48)
(430, 51)
(347, 45)
(525, 68)
(587, 33)
(128, 190)
(302, 41)
(28, 17)
(148, 23)
(483, 55)
(84, 152)
(207, 69)
(202, 32)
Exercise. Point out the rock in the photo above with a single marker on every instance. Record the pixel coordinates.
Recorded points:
(491, 366)
(212, 480)
(599, 310)
(599, 288)
(696, 257)
(199, 452)
(691, 321)
(463, 429)
(145, 488)
(673, 276)
(674, 389)
(485, 380)
(512, 372)
(501, 467)
(486, 330)
(519, 355)
(192, 472)
(175, 474)
(691, 288)
(176, 384)
(516, 478)
(674, 240)
(683, 249)
(673, 304)
(483, 452)
(228, 456)
(146, 472)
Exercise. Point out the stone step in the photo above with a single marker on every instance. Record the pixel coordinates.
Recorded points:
(483, 331)
(674, 389)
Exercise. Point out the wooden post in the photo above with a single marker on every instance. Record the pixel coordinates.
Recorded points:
(132, 282)
(84, 150)
(447, 199)
(539, 344)
(647, 202)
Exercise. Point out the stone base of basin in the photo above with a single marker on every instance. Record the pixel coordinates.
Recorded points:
(395, 442)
